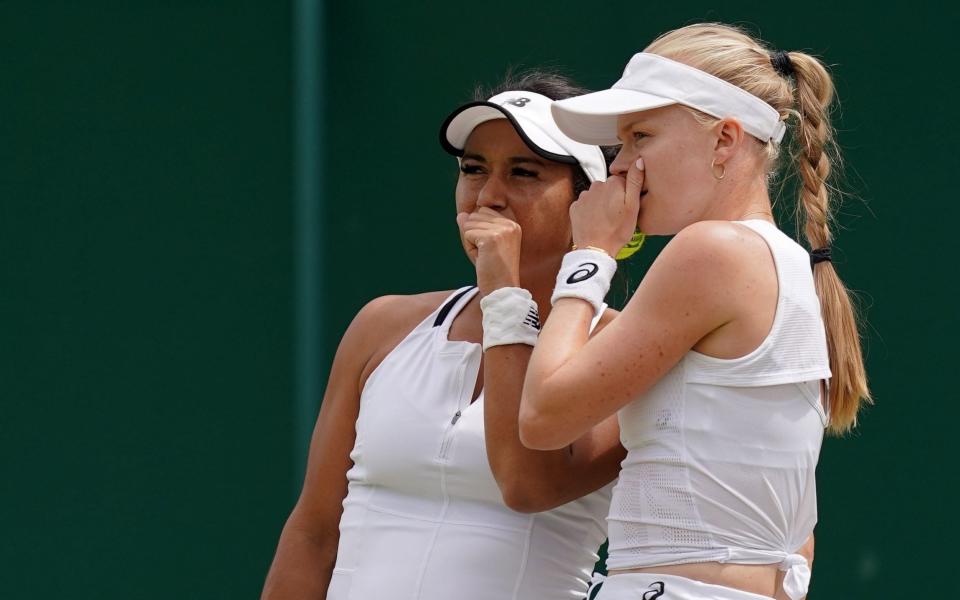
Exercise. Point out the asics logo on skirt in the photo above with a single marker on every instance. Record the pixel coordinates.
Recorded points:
(655, 591)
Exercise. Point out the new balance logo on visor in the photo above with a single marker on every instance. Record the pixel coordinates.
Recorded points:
(521, 102)
(532, 319)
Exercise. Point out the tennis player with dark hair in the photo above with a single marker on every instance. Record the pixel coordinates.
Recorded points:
(739, 347)
(417, 485)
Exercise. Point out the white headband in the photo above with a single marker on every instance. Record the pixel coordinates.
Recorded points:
(529, 113)
(651, 81)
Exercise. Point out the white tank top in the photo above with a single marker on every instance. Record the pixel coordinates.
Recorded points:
(722, 453)
(423, 518)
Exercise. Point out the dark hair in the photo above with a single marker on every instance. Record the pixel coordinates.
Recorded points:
(555, 86)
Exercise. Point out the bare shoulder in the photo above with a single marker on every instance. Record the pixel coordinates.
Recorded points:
(383, 323)
(709, 274)
(398, 312)
(713, 243)
(709, 255)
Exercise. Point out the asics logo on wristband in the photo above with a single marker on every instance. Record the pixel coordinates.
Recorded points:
(656, 590)
(584, 271)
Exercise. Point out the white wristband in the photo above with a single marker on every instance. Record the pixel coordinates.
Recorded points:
(509, 317)
(585, 274)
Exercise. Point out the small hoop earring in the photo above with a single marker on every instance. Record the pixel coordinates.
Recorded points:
(723, 169)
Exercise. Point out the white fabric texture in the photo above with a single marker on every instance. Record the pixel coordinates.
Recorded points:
(722, 454)
(423, 518)
(651, 81)
(648, 586)
(510, 316)
(585, 274)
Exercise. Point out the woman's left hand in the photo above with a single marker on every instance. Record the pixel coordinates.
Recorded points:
(605, 216)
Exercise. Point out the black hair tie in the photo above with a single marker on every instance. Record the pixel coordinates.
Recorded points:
(820, 255)
(781, 63)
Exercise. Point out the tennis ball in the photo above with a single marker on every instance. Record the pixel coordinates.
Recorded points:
(632, 246)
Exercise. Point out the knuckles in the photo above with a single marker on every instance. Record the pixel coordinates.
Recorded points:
(508, 233)
(614, 186)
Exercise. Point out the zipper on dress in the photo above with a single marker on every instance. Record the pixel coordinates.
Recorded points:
(448, 436)
(463, 399)
(448, 432)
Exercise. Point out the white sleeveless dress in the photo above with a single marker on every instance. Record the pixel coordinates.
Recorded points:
(423, 517)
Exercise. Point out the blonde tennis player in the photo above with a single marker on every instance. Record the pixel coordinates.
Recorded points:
(738, 349)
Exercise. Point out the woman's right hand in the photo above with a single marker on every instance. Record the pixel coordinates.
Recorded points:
(605, 216)
(492, 243)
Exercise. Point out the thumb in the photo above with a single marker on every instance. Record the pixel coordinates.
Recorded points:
(461, 219)
(634, 184)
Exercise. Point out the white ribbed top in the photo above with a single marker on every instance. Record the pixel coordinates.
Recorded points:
(722, 454)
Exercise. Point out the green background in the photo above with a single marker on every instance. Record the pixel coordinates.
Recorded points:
(196, 197)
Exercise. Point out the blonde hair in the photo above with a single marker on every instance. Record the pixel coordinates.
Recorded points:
(733, 55)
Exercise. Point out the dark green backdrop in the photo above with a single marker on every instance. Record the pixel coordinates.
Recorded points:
(196, 197)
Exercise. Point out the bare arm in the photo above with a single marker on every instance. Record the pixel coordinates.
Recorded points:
(573, 384)
(530, 480)
(307, 550)
(534, 480)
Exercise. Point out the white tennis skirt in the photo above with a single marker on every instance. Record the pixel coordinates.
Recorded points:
(649, 586)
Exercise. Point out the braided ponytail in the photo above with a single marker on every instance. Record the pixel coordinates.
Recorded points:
(814, 145)
(737, 57)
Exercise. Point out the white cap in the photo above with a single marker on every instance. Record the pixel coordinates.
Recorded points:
(651, 81)
(529, 113)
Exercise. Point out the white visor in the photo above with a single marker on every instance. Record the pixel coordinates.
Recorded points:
(529, 113)
(651, 81)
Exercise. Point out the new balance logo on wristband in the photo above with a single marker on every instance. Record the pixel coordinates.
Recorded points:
(533, 318)
(584, 271)
(510, 316)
